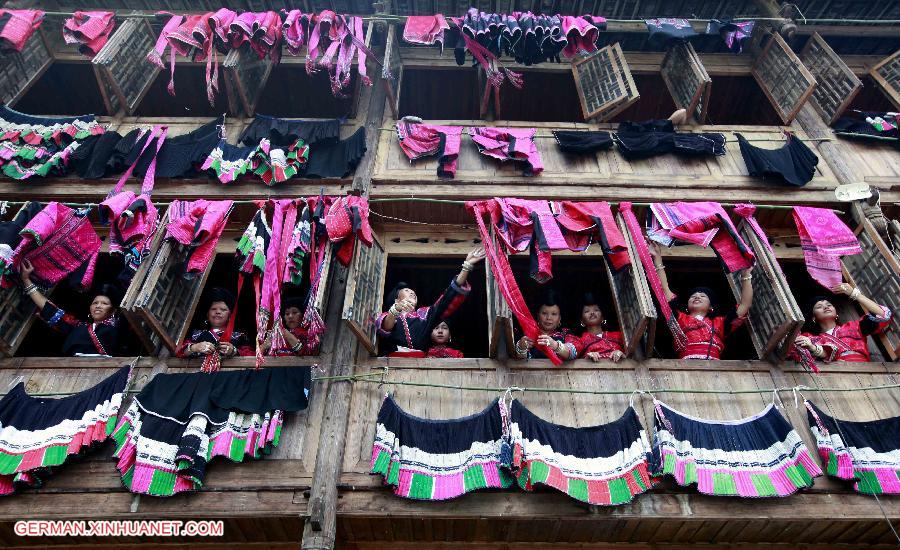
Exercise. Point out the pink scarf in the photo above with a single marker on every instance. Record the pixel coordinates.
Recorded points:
(824, 239)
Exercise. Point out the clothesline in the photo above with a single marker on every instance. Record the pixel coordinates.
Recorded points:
(551, 136)
(368, 378)
(402, 18)
(452, 201)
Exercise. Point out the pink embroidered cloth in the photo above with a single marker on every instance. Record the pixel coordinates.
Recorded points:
(824, 238)
(17, 26)
(89, 29)
(198, 225)
(425, 30)
(703, 224)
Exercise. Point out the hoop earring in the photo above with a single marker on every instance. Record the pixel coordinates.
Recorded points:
(582, 324)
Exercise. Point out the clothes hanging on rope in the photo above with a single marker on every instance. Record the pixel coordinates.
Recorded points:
(425, 30)
(59, 242)
(793, 163)
(582, 222)
(198, 226)
(180, 422)
(180, 156)
(337, 159)
(346, 221)
(41, 146)
(530, 225)
(666, 30)
(418, 140)
(879, 125)
(704, 224)
(89, 29)
(637, 140)
(438, 459)
(824, 238)
(604, 465)
(16, 27)
(581, 142)
(38, 435)
(733, 33)
(866, 452)
(509, 144)
(757, 456)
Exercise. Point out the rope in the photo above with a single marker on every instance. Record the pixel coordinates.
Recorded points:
(770, 140)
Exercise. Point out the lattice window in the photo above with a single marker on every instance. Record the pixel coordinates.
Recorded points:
(604, 82)
(17, 313)
(500, 324)
(783, 78)
(322, 294)
(686, 79)
(365, 292)
(248, 75)
(20, 70)
(632, 298)
(393, 79)
(775, 318)
(123, 73)
(877, 274)
(887, 75)
(160, 302)
(836, 85)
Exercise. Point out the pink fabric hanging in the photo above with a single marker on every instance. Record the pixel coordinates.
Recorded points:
(419, 140)
(268, 313)
(503, 274)
(198, 225)
(509, 144)
(293, 29)
(17, 26)
(345, 38)
(425, 30)
(525, 224)
(89, 29)
(582, 220)
(184, 35)
(59, 241)
(824, 239)
(134, 218)
(581, 35)
(262, 30)
(703, 224)
(643, 251)
(348, 218)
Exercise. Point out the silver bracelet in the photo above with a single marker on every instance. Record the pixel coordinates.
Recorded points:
(393, 310)
(466, 266)
(30, 289)
(855, 294)
(747, 278)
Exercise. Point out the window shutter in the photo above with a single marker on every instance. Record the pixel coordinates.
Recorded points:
(17, 313)
(365, 292)
(604, 83)
(887, 75)
(877, 274)
(632, 298)
(20, 70)
(836, 85)
(686, 79)
(783, 78)
(248, 75)
(392, 79)
(500, 325)
(123, 73)
(775, 318)
(321, 301)
(160, 302)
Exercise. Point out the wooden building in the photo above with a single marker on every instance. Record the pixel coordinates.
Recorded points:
(806, 64)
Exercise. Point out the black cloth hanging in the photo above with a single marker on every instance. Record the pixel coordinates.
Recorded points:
(793, 163)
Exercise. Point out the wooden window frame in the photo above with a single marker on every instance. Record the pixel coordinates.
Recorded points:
(892, 92)
(776, 43)
(365, 292)
(679, 57)
(828, 64)
(121, 51)
(624, 83)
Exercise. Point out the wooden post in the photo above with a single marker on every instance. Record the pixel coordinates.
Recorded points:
(320, 530)
(771, 8)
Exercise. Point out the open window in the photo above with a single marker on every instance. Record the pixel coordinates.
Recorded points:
(775, 318)
(836, 85)
(365, 292)
(160, 302)
(887, 76)
(122, 71)
(631, 295)
(687, 80)
(783, 78)
(248, 75)
(877, 274)
(604, 83)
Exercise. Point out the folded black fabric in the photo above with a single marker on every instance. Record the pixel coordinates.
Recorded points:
(98, 156)
(338, 159)
(284, 132)
(582, 143)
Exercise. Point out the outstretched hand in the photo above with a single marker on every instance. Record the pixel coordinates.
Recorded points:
(476, 255)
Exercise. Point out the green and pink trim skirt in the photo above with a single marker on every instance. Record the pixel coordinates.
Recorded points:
(604, 465)
(759, 456)
(438, 459)
(866, 452)
(40, 434)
